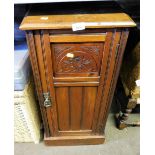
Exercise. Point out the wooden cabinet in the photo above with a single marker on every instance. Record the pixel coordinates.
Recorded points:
(75, 72)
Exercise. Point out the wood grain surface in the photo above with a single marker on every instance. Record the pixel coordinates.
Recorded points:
(113, 20)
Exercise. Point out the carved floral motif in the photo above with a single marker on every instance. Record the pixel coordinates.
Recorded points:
(77, 64)
(85, 58)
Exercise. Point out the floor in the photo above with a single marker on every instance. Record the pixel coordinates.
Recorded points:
(118, 142)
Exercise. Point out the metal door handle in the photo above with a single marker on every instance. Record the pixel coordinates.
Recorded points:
(47, 100)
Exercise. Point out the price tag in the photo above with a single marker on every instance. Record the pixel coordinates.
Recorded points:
(78, 26)
(44, 18)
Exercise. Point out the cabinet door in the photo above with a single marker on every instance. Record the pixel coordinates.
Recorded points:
(78, 71)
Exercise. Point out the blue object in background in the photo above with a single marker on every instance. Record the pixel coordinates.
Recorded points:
(22, 69)
(19, 13)
(19, 36)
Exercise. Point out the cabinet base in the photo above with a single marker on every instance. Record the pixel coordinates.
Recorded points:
(74, 140)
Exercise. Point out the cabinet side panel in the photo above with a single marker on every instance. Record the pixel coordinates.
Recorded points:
(109, 75)
(36, 74)
(123, 41)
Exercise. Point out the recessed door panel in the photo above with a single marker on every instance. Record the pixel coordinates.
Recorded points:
(75, 107)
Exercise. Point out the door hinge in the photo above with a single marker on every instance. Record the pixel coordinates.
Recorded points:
(47, 100)
(117, 48)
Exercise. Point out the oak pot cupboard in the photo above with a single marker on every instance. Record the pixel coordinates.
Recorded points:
(75, 72)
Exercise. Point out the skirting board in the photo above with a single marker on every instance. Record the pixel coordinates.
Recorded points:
(74, 140)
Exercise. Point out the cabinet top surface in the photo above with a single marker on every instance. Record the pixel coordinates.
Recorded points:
(62, 16)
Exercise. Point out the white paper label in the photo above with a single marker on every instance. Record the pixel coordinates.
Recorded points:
(44, 18)
(78, 26)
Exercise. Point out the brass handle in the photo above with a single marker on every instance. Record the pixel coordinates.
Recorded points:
(47, 101)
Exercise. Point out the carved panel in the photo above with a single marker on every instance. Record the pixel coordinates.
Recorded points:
(77, 58)
(81, 62)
